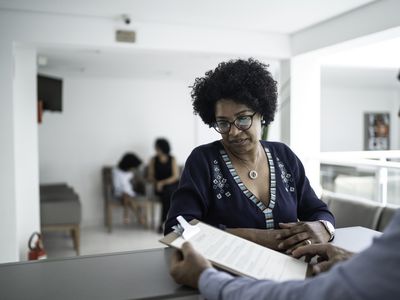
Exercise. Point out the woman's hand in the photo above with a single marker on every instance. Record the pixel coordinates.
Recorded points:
(288, 238)
(159, 186)
(187, 266)
(327, 255)
(293, 235)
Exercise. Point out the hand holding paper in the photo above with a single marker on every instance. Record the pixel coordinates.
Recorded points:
(187, 265)
(238, 255)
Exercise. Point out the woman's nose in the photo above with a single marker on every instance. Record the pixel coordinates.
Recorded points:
(234, 130)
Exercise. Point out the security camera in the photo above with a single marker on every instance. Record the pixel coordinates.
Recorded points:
(126, 19)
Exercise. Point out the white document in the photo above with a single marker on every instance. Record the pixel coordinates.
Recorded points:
(241, 256)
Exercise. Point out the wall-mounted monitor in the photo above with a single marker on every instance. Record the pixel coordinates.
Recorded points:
(50, 92)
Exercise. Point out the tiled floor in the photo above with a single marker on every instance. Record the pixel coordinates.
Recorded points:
(96, 240)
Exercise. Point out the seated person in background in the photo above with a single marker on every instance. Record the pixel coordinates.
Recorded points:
(122, 176)
(164, 173)
(254, 189)
(369, 275)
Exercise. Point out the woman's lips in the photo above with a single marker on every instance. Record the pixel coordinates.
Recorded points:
(238, 142)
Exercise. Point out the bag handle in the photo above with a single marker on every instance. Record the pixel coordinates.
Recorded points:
(39, 236)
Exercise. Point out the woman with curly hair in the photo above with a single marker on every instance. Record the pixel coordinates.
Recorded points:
(254, 189)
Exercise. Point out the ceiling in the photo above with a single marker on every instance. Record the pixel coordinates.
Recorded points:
(375, 65)
(128, 63)
(272, 16)
(279, 16)
(350, 77)
(383, 55)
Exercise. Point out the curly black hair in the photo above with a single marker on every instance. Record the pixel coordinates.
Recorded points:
(246, 82)
(129, 161)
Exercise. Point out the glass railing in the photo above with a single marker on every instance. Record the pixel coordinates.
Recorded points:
(371, 175)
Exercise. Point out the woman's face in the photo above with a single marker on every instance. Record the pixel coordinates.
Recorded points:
(236, 140)
(158, 151)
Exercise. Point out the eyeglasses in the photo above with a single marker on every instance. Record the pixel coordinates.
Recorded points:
(242, 123)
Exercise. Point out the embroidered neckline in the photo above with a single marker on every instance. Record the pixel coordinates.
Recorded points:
(253, 174)
(267, 210)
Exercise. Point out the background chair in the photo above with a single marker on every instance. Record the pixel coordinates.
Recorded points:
(386, 216)
(140, 202)
(351, 212)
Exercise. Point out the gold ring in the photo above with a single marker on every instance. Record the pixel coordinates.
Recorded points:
(308, 242)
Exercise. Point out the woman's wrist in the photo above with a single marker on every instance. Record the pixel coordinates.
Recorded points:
(266, 238)
(263, 237)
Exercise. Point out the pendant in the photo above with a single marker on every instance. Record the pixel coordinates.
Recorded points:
(253, 174)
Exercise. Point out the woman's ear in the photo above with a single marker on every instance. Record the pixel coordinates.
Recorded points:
(263, 123)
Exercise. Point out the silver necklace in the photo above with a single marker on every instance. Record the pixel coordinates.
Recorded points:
(253, 174)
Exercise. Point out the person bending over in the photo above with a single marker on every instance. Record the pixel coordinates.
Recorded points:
(122, 177)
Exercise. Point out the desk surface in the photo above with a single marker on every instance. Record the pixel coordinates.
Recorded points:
(354, 239)
(128, 275)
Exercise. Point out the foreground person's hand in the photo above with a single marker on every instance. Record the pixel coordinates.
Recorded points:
(327, 256)
(187, 265)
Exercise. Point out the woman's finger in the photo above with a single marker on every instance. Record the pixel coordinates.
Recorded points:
(294, 240)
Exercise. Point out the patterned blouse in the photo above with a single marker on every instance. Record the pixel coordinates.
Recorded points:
(210, 190)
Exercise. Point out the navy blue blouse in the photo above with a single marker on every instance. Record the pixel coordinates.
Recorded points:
(211, 191)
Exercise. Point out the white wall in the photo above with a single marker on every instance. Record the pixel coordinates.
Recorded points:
(86, 32)
(305, 113)
(368, 24)
(8, 205)
(19, 195)
(26, 147)
(342, 115)
(103, 118)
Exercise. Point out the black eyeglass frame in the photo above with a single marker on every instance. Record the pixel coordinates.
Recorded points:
(215, 124)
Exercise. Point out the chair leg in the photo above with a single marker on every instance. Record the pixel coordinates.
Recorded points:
(148, 214)
(75, 232)
(141, 209)
(109, 218)
(144, 213)
(147, 211)
(105, 214)
(152, 214)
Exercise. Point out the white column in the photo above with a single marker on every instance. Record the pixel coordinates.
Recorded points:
(305, 113)
(25, 147)
(19, 191)
(8, 221)
(284, 103)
